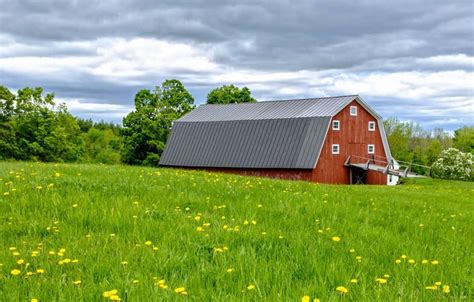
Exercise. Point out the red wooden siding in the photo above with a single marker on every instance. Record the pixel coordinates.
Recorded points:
(353, 138)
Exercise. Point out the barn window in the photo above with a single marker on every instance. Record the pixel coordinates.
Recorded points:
(353, 110)
(371, 126)
(370, 149)
(335, 149)
(336, 125)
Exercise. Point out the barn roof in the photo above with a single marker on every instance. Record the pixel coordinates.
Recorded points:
(316, 107)
(285, 134)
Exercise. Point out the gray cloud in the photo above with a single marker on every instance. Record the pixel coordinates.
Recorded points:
(280, 49)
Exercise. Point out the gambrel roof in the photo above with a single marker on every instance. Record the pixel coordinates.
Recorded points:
(285, 134)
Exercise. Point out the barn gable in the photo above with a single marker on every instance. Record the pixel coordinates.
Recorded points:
(266, 135)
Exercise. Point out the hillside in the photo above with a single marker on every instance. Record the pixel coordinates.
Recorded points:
(77, 232)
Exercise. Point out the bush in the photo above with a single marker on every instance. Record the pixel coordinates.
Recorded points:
(453, 164)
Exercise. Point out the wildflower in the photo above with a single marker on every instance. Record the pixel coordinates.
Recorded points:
(254, 222)
(15, 272)
(40, 271)
(411, 261)
(206, 224)
(342, 289)
(250, 287)
(148, 242)
(115, 298)
(12, 248)
(386, 276)
(305, 299)
(197, 218)
(435, 262)
(260, 206)
(424, 261)
(29, 274)
(180, 290)
(75, 261)
(404, 256)
(77, 282)
(34, 300)
(110, 293)
(381, 280)
(230, 270)
(218, 250)
(352, 251)
(432, 287)
(74, 205)
(354, 281)
(200, 229)
(446, 289)
(398, 261)
(20, 261)
(52, 253)
(336, 239)
(124, 262)
(135, 281)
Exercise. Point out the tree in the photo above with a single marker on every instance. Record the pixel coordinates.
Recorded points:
(464, 139)
(230, 94)
(454, 164)
(146, 129)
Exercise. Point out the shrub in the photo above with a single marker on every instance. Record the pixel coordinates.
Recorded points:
(453, 164)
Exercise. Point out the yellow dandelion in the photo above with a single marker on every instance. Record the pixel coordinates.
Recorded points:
(342, 289)
(108, 294)
(354, 281)
(179, 290)
(20, 261)
(200, 229)
(336, 239)
(148, 242)
(386, 276)
(15, 272)
(40, 271)
(29, 274)
(230, 270)
(431, 287)
(250, 287)
(424, 261)
(135, 281)
(352, 251)
(381, 280)
(411, 261)
(446, 289)
(404, 256)
(398, 261)
(34, 300)
(77, 282)
(115, 298)
(305, 299)
(435, 262)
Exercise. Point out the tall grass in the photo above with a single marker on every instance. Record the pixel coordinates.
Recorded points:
(147, 232)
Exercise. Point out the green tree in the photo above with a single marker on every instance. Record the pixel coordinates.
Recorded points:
(464, 139)
(146, 129)
(230, 94)
(31, 130)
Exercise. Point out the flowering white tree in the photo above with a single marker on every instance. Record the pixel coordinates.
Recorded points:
(454, 164)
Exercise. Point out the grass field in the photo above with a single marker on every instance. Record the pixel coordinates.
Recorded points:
(79, 232)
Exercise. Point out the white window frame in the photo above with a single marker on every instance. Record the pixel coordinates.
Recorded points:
(373, 148)
(353, 110)
(332, 149)
(334, 123)
(372, 123)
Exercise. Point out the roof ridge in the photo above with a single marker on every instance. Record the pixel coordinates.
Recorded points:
(287, 100)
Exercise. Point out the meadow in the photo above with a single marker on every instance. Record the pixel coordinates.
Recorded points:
(71, 232)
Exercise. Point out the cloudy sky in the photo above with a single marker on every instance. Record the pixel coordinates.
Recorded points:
(408, 59)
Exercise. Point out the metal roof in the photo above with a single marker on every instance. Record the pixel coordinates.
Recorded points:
(315, 107)
(273, 134)
(267, 143)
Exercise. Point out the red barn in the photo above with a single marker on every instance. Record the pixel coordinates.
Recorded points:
(326, 140)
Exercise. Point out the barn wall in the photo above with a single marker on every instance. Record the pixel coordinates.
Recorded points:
(353, 138)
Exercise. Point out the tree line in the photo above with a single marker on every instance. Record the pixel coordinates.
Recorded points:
(34, 128)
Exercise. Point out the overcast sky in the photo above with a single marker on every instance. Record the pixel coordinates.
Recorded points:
(413, 60)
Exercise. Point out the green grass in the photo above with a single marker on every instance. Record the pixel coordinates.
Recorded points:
(283, 255)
